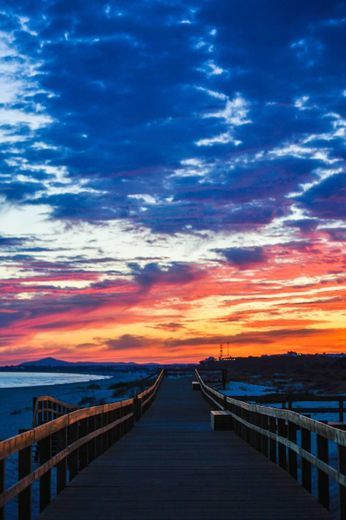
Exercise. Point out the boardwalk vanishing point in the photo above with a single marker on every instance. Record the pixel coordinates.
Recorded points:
(172, 466)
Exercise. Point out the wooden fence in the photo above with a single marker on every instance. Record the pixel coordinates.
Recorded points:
(66, 445)
(332, 404)
(46, 408)
(285, 437)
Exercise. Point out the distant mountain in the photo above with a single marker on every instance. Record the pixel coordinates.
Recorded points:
(53, 362)
(46, 362)
(50, 362)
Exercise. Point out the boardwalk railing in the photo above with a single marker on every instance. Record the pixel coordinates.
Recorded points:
(47, 408)
(331, 404)
(335, 404)
(66, 445)
(287, 438)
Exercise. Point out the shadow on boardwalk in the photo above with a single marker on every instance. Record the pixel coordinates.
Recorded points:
(171, 466)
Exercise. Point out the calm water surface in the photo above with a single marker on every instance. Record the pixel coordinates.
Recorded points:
(20, 379)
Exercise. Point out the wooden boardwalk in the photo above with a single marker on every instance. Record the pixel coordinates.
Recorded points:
(171, 466)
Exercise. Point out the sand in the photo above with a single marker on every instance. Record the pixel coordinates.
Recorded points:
(16, 403)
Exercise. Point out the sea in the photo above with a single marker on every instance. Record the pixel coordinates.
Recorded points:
(24, 379)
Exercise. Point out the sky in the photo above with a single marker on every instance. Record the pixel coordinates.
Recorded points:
(172, 178)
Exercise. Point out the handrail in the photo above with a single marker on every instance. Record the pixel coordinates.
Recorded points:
(47, 408)
(66, 444)
(273, 432)
(290, 398)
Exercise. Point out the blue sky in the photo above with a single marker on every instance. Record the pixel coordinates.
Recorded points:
(158, 139)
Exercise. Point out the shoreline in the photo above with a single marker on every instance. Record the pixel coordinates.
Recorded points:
(16, 402)
(29, 379)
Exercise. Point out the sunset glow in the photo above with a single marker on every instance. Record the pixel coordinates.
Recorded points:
(169, 183)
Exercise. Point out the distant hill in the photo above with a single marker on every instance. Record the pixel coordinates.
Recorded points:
(46, 362)
(51, 362)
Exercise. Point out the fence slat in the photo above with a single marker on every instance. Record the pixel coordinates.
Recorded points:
(342, 489)
(24, 498)
(60, 442)
(322, 478)
(265, 424)
(45, 450)
(292, 456)
(306, 466)
(272, 442)
(61, 469)
(282, 431)
(2, 486)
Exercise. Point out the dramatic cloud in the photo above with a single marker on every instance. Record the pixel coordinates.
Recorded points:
(244, 258)
(128, 342)
(156, 162)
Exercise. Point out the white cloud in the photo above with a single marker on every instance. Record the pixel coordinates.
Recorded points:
(213, 93)
(234, 112)
(14, 117)
(192, 167)
(224, 138)
(300, 151)
(148, 199)
(18, 85)
(214, 70)
(302, 103)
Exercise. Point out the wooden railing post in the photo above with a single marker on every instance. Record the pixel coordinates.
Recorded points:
(137, 407)
(292, 456)
(91, 431)
(24, 498)
(342, 489)
(272, 442)
(92, 443)
(282, 448)
(322, 477)
(73, 462)
(61, 468)
(2, 486)
(265, 426)
(258, 435)
(246, 415)
(104, 436)
(306, 466)
(45, 450)
(286, 425)
(83, 450)
(253, 434)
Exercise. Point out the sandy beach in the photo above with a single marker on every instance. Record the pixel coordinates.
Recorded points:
(16, 403)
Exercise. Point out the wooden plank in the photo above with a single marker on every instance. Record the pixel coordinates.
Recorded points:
(2, 486)
(171, 466)
(17, 488)
(80, 450)
(292, 456)
(342, 489)
(333, 434)
(24, 498)
(45, 451)
(306, 465)
(322, 478)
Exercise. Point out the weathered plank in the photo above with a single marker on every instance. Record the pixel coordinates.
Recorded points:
(172, 466)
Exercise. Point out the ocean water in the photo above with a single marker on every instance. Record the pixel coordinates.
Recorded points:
(23, 379)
